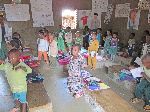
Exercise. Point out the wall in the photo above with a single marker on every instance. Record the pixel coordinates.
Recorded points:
(117, 24)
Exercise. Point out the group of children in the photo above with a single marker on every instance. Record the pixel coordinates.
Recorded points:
(48, 47)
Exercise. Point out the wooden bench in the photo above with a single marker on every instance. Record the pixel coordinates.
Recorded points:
(110, 101)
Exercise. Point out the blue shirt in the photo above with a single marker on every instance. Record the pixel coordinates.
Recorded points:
(99, 37)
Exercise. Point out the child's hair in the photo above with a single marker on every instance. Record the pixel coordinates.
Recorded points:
(68, 27)
(96, 14)
(133, 34)
(116, 33)
(75, 45)
(146, 32)
(15, 51)
(41, 31)
(99, 29)
(16, 33)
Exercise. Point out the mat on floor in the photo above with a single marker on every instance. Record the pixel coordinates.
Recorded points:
(37, 97)
(110, 101)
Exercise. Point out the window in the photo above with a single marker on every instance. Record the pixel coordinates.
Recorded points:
(69, 19)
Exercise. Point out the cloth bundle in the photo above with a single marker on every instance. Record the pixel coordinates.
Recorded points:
(35, 78)
(125, 75)
(63, 59)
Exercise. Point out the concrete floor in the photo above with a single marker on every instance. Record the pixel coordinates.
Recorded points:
(55, 84)
(6, 101)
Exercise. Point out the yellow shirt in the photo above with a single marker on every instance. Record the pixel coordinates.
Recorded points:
(16, 78)
(94, 45)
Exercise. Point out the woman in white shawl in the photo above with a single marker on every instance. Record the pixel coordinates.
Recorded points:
(3, 39)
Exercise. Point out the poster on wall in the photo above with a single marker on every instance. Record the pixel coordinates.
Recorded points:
(17, 12)
(122, 10)
(133, 19)
(42, 13)
(99, 5)
(149, 18)
(108, 13)
(144, 4)
(85, 18)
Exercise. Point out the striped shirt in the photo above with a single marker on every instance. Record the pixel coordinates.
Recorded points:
(145, 49)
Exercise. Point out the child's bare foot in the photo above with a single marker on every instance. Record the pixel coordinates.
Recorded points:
(15, 110)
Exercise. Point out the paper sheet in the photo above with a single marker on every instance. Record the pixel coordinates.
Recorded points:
(144, 5)
(133, 19)
(137, 72)
(17, 12)
(42, 13)
(122, 10)
(90, 15)
(108, 14)
(99, 5)
(138, 61)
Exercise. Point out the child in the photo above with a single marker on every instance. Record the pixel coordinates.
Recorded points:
(131, 44)
(99, 35)
(107, 42)
(42, 47)
(53, 50)
(17, 38)
(60, 39)
(16, 73)
(74, 80)
(86, 39)
(78, 38)
(93, 48)
(146, 46)
(68, 38)
(114, 46)
(142, 90)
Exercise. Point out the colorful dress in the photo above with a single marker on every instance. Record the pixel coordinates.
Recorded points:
(107, 44)
(113, 47)
(68, 39)
(60, 40)
(79, 40)
(74, 81)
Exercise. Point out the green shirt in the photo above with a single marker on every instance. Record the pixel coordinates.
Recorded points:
(16, 78)
(79, 40)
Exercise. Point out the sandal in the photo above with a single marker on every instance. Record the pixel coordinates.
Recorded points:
(135, 100)
(147, 108)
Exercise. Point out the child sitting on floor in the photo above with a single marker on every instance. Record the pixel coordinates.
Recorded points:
(42, 46)
(142, 90)
(93, 49)
(74, 81)
(16, 73)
